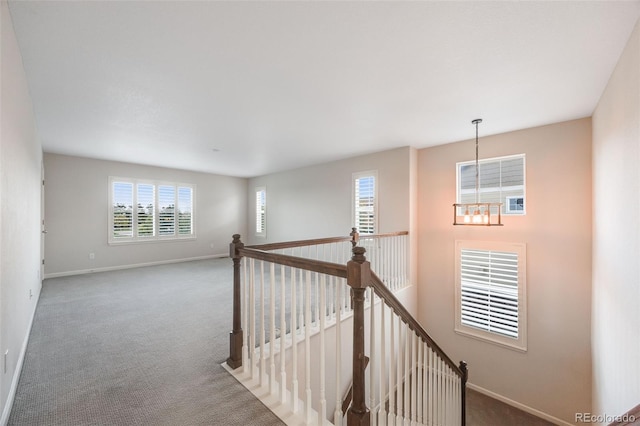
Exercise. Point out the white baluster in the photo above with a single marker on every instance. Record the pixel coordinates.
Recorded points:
(405, 260)
(245, 317)
(337, 416)
(333, 301)
(272, 329)
(307, 345)
(430, 407)
(372, 357)
(283, 333)
(399, 376)
(407, 371)
(420, 385)
(414, 376)
(382, 415)
(262, 371)
(425, 382)
(322, 414)
(252, 318)
(440, 392)
(301, 318)
(294, 343)
(391, 417)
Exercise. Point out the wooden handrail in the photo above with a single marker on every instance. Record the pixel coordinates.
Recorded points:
(386, 234)
(301, 243)
(392, 301)
(328, 268)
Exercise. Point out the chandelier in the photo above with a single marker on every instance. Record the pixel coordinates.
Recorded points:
(478, 213)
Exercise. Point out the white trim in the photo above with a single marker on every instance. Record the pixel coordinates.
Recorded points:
(131, 266)
(6, 412)
(519, 405)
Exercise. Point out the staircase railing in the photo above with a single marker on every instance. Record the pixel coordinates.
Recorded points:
(387, 253)
(427, 387)
(292, 314)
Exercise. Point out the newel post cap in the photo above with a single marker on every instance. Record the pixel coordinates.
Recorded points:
(358, 269)
(234, 246)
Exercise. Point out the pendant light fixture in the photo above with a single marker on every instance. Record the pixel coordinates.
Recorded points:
(477, 214)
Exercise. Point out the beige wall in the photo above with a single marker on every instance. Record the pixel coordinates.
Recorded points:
(20, 169)
(554, 375)
(616, 238)
(76, 215)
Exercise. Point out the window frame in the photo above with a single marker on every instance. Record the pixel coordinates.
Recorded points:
(354, 210)
(263, 232)
(519, 343)
(135, 238)
(505, 211)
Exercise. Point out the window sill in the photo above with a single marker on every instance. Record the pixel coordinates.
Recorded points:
(484, 336)
(151, 240)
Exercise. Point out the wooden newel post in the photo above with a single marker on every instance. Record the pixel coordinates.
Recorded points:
(463, 389)
(235, 337)
(358, 278)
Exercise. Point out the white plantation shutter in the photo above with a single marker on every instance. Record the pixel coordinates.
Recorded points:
(365, 203)
(166, 210)
(148, 211)
(491, 292)
(185, 210)
(122, 210)
(261, 212)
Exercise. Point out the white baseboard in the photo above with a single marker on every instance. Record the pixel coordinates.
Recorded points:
(16, 374)
(130, 266)
(519, 405)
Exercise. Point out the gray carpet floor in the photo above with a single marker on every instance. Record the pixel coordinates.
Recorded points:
(135, 347)
(144, 347)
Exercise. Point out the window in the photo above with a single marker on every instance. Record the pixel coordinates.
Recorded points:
(155, 216)
(514, 204)
(501, 180)
(365, 202)
(261, 212)
(491, 292)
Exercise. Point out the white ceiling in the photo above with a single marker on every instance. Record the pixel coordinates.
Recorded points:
(248, 88)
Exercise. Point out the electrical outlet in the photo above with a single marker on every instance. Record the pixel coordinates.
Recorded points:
(92, 256)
